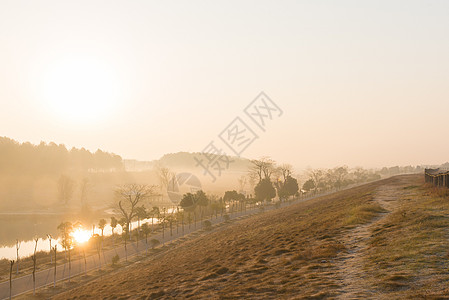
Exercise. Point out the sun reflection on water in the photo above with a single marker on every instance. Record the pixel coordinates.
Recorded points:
(81, 236)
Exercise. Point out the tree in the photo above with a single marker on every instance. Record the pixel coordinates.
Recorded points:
(202, 201)
(114, 223)
(340, 174)
(308, 185)
(207, 225)
(252, 181)
(98, 240)
(33, 257)
(101, 224)
(215, 204)
(154, 213)
(55, 249)
(146, 230)
(165, 176)
(231, 196)
(361, 175)
(49, 240)
(262, 168)
(65, 189)
(162, 222)
(317, 176)
(188, 201)
(17, 255)
(285, 170)
(154, 243)
(242, 180)
(115, 260)
(201, 198)
(141, 214)
(264, 190)
(11, 264)
(67, 241)
(125, 229)
(129, 197)
(287, 187)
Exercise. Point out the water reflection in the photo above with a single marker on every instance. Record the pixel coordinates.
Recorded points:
(27, 227)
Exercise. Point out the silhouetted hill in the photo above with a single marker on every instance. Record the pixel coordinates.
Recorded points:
(183, 160)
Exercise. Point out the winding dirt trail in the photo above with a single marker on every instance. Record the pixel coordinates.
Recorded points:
(354, 281)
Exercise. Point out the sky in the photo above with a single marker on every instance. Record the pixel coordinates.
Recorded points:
(359, 83)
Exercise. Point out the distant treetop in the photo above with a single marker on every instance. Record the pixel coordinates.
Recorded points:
(52, 159)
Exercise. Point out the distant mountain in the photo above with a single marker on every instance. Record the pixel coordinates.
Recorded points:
(186, 160)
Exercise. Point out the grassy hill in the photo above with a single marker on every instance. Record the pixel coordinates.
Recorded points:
(387, 239)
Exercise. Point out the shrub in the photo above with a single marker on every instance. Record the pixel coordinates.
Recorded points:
(207, 225)
(115, 259)
(226, 218)
(154, 243)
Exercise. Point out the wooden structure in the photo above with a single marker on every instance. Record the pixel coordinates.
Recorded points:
(437, 177)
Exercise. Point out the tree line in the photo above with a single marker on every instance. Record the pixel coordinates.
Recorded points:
(52, 159)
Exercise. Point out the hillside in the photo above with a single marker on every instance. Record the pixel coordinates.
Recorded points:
(386, 239)
(184, 161)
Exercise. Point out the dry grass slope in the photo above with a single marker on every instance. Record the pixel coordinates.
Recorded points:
(297, 252)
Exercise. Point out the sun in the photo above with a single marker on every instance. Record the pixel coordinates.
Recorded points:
(81, 236)
(80, 90)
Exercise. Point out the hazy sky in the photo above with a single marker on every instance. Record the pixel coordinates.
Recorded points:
(362, 83)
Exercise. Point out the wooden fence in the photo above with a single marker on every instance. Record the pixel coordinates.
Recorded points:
(437, 177)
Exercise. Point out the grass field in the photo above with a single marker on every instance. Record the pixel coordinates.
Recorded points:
(387, 239)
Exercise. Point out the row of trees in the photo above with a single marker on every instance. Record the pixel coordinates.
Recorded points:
(271, 179)
(52, 159)
(337, 178)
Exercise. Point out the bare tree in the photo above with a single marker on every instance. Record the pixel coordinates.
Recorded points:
(318, 176)
(49, 240)
(11, 264)
(252, 181)
(262, 168)
(165, 176)
(285, 184)
(242, 180)
(33, 257)
(17, 255)
(129, 197)
(285, 170)
(55, 249)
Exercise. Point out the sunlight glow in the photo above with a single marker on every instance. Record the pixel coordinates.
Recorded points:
(81, 236)
(80, 90)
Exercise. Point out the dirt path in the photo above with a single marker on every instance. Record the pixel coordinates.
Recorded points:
(350, 264)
